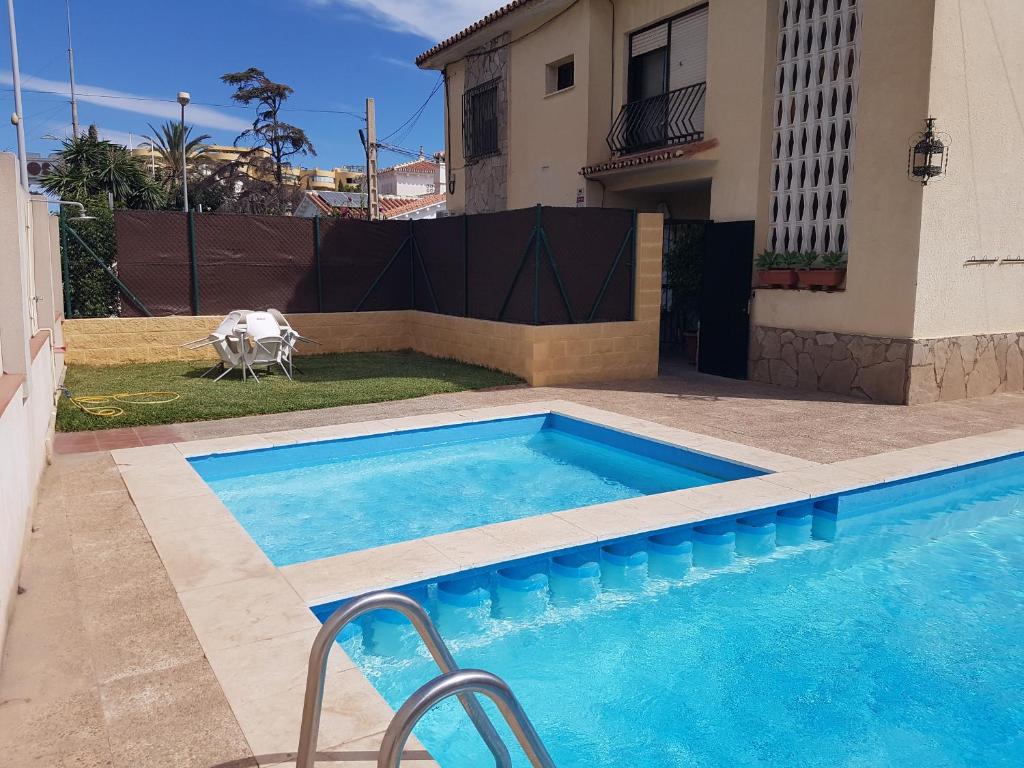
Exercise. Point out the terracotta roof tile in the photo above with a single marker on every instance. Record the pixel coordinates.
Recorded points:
(491, 17)
(396, 206)
(653, 156)
(414, 166)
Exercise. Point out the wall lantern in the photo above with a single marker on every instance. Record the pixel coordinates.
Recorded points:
(451, 182)
(929, 154)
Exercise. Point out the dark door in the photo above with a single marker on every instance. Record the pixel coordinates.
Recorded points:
(647, 102)
(725, 298)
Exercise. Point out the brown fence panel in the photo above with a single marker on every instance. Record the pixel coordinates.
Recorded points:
(534, 265)
(497, 268)
(153, 261)
(365, 265)
(255, 262)
(593, 251)
(440, 274)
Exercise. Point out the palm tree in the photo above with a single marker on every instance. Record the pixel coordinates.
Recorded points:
(90, 166)
(167, 142)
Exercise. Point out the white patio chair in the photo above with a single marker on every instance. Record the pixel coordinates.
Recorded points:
(263, 343)
(291, 338)
(225, 343)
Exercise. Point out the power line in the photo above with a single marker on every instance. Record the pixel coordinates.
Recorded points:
(172, 101)
(415, 116)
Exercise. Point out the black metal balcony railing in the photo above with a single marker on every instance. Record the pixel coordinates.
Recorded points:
(676, 117)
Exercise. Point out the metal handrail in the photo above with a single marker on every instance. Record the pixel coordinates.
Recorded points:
(459, 683)
(658, 121)
(324, 641)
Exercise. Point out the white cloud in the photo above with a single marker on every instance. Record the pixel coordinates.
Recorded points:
(117, 136)
(131, 102)
(432, 19)
(396, 62)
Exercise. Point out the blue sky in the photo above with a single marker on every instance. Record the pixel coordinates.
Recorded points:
(334, 53)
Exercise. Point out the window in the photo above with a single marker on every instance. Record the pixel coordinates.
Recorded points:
(665, 85)
(561, 74)
(480, 120)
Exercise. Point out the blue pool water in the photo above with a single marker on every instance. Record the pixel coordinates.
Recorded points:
(900, 644)
(304, 502)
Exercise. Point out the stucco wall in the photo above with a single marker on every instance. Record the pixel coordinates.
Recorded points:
(546, 146)
(977, 210)
(25, 434)
(456, 161)
(885, 207)
(555, 354)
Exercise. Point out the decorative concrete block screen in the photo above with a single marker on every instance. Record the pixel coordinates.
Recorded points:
(539, 266)
(815, 104)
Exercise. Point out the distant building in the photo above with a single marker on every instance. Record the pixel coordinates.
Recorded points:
(332, 203)
(416, 178)
(40, 165)
(220, 154)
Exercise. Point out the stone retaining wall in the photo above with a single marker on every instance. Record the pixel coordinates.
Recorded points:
(966, 366)
(874, 368)
(888, 370)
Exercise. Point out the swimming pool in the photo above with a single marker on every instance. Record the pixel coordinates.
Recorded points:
(314, 500)
(892, 638)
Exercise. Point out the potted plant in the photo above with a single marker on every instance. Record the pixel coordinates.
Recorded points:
(774, 270)
(827, 273)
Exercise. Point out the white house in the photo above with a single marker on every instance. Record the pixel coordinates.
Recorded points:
(416, 178)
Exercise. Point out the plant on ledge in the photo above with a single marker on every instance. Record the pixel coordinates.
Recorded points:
(775, 270)
(825, 272)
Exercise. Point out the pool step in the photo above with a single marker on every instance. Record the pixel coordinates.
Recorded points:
(464, 605)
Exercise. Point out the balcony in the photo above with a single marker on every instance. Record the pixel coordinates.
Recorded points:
(675, 117)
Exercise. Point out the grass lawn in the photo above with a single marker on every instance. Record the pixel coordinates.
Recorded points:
(325, 381)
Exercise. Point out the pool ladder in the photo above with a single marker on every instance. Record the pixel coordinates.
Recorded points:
(452, 681)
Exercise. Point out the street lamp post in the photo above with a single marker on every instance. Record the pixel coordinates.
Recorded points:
(18, 117)
(183, 99)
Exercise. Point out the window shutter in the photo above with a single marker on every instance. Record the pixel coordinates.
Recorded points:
(689, 54)
(648, 40)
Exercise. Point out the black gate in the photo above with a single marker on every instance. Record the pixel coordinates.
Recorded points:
(725, 298)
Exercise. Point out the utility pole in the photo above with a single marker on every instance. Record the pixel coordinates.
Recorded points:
(71, 66)
(372, 201)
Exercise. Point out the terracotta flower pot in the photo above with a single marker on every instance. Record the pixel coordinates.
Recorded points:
(777, 278)
(821, 279)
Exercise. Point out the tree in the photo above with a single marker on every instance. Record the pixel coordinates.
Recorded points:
(89, 166)
(93, 293)
(274, 142)
(167, 144)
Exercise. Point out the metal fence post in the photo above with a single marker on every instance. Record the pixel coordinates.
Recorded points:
(412, 266)
(632, 269)
(194, 266)
(65, 269)
(465, 265)
(538, 227)
(316, 264)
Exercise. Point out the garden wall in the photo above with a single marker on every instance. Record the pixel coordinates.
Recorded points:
(541, 354)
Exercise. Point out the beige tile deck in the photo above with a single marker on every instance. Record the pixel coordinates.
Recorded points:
(102, 666)
(210, 555)
(357, 572)
(245, 611)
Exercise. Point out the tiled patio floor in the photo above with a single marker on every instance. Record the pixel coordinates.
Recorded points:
(102, 667)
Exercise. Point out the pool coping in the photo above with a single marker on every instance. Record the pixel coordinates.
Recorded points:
(253, 619)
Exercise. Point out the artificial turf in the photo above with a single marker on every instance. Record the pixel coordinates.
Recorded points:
(325, 381)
